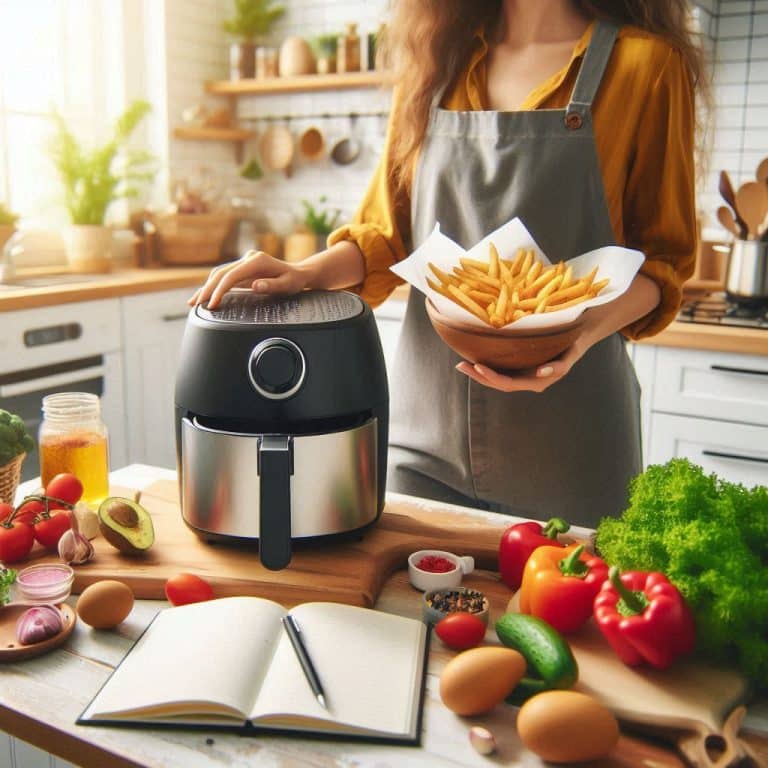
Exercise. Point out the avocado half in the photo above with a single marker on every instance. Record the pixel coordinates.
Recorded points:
(126, 525)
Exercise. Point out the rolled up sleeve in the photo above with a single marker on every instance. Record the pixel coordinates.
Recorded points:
(381, 228)
(659, 204)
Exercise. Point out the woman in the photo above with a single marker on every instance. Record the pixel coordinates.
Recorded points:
(578, 117)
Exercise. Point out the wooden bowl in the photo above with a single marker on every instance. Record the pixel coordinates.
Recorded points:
(504, 349)
(276, 148)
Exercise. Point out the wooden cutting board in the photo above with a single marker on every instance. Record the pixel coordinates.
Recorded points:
(347, 572)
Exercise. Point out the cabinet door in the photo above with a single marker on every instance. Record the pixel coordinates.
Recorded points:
(713, 385)
(736, 452)
(153, 325)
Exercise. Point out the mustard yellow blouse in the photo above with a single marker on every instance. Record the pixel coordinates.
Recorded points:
(644, 122)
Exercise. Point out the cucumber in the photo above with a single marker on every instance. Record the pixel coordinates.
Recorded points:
(551, 663)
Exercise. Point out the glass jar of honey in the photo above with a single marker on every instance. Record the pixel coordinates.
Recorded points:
(73, 438)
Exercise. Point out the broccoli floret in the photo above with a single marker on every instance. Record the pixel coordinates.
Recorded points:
(14, 437)
(710, 537)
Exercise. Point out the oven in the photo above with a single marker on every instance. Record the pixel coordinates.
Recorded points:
(67, 348)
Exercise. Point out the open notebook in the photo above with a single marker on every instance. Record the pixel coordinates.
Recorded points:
(229, 663)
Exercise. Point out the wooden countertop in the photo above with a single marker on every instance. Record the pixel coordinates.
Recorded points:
(128, 282)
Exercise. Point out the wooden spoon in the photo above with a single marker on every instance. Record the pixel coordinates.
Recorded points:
(762, 172)
(726, 218)
(751, 205)
(726, 191)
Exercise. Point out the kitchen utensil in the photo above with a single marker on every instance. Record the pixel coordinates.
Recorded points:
(747, 272)
(294, 445)
(504, 348)
(312, 143)
(726, 191)
(276, 148)
(762, 171)
(347, 150)
(426, 580)
(726, 218)
(11, 650)
(752, 204)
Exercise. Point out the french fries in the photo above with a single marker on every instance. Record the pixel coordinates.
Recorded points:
(501, 291)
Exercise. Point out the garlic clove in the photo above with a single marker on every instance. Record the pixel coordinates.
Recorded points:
(74, 548)
(38, 624)
(482, 740)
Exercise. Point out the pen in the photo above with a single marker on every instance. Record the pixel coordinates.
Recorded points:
(294, 634)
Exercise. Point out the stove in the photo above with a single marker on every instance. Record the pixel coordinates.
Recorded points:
(716, 309)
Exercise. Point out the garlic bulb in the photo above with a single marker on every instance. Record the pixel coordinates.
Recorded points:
(74, 548)
(38, 624)
(482, 740)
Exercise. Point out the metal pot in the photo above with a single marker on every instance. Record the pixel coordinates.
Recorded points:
(747, 275)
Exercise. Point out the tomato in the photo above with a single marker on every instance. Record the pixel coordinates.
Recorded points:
(186, 588)
(29, 510)
(48, 530)
(460, 630)
(66, 487)
(5, 510)
(16, 540)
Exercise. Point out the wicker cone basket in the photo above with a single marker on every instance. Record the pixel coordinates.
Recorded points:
(10, 475)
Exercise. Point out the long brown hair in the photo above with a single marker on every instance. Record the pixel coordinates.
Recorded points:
(428, 42)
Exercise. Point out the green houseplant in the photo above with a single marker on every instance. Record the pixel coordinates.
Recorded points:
(324, 48)
(316, 224)
(252, 19)
(94, 178)
(318, 220)
(8, 221)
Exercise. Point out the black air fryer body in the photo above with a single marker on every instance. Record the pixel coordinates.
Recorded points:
(282, 416)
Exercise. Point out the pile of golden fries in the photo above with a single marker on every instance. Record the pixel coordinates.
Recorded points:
(501, 291)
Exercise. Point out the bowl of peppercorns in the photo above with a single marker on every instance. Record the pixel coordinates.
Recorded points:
(439, 603)
(436, 569)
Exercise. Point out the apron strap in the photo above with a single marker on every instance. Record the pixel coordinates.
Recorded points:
(591, 72)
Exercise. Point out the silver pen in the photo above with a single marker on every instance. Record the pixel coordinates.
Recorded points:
(294, 634)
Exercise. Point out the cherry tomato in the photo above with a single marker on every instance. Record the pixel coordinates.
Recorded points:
(29, 510)
(186, 588)
(65, 487)
(16, 540)
(5, 510)
(460, 630)
(48, 530)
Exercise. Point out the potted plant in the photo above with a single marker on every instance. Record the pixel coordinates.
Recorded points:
(310, 236)
(252, 19)
(15, 443)
(95, 178)
(324, 47)
(7, 225)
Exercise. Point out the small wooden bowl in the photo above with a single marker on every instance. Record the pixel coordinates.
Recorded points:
(504, 349)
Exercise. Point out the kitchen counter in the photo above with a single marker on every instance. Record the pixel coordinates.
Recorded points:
(135, 281)
(41, 698)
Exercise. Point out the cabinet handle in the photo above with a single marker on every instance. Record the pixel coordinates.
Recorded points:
(174, 318)
(729, 369)
(736, 456)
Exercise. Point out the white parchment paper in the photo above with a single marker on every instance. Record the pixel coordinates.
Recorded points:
(618, 264)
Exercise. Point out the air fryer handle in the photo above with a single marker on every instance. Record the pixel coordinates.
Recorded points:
(275, 469)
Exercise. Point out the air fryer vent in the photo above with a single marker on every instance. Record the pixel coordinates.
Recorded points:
(243, 306)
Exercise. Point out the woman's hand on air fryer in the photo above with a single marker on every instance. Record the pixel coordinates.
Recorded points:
(262, 272)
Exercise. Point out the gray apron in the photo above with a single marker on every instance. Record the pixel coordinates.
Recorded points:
(572, 449)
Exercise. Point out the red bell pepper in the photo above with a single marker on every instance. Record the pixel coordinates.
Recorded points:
(560, 585)
(644, 618)
(518, 543)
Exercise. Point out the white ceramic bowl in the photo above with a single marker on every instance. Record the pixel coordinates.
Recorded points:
(429, 580)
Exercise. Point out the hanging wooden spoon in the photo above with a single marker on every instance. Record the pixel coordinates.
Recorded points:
(751, 205)
(726, 218)
(762, 172)
(726, 191)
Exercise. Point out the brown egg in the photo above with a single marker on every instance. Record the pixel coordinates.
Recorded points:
(477, 680)
(567, 727)
(105, 604)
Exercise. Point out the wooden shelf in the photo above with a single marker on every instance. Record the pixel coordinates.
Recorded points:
(296, 84)
(237, 136)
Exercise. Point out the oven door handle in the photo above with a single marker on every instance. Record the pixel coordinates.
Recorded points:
(54, 380)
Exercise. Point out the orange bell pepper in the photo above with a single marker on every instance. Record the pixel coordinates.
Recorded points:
(560, 585)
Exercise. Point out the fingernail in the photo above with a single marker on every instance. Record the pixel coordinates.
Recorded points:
(261, 286)
(547, 370)
(481, 369)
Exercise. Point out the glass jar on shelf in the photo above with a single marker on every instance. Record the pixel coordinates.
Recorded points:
(73, 438)
(348, 50)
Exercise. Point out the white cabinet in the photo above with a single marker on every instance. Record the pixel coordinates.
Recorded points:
(153, 324)
(710, 407)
